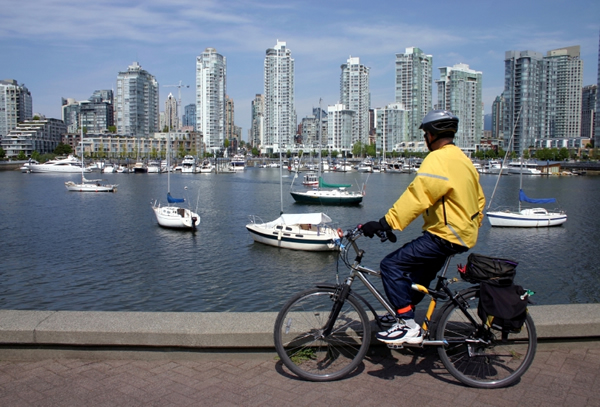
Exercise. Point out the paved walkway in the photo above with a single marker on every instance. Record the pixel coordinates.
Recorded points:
(562, 374)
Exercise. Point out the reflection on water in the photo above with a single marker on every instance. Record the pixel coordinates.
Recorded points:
(74, 251)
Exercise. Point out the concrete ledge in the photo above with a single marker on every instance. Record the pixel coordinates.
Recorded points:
(213, 330)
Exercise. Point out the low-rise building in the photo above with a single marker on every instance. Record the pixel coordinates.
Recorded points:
(41, 135)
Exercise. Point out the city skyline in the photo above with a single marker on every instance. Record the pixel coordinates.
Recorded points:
(64, 50)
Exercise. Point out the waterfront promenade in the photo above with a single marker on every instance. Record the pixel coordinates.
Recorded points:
(67, 358)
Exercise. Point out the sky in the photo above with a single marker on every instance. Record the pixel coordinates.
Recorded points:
(70, 48)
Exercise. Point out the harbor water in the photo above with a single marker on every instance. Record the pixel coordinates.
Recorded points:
(63, 250)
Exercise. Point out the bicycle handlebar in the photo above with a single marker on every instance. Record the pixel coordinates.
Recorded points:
(383, 236)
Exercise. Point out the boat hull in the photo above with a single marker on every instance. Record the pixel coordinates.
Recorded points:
(176, 218)
(73, 187)
(526, 219)
(334, 197)
(294, 238)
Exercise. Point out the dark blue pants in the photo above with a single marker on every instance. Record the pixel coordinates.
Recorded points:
(416, 262)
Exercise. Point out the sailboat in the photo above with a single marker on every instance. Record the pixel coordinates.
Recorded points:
(296, 231)
(172, 216)
(327, 194)
(528, 217)
(89, 185)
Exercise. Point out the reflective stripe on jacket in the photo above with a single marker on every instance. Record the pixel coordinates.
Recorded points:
(447, 192)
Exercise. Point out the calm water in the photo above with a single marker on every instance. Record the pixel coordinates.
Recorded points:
(62, 250)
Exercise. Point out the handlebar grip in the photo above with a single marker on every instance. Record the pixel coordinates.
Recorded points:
(387, 235)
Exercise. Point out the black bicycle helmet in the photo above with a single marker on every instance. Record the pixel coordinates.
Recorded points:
(437, 122)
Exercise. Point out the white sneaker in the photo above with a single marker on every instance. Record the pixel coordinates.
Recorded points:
(401, 333)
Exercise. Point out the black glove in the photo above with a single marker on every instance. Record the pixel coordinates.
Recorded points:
(370, 228)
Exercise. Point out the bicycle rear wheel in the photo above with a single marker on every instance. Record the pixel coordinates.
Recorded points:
(483, 359)
(299, 336)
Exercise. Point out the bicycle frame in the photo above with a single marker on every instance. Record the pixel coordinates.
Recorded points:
(441, 291)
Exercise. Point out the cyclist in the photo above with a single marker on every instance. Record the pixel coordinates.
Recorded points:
(446, 191)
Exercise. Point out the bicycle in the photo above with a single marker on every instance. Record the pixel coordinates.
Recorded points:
(323, 333)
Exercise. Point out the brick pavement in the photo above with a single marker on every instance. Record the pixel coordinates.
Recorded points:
(562, 374)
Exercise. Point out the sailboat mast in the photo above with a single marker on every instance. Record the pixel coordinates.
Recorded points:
(169, 161)
(280, 183)
(320, 146)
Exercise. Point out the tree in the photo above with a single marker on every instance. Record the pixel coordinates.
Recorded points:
(63, 149)
(2, 154)
(21, 155)
(112, 129)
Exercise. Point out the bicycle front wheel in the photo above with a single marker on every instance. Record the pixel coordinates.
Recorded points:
(483, 359)
(303, 347)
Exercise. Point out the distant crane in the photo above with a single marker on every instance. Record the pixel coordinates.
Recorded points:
(179, 95)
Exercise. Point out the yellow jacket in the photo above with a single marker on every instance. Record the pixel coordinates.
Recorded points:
(447, 192)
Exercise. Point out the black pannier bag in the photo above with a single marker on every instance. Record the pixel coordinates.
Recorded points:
(492, 269)
(503, 307)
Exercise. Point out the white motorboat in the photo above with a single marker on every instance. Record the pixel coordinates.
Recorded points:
(140, 168)
(365, 166)
(310, 178)
(237, 164)
(64, 165)
(154, 167)
(89, 185)
(25, 167)
(296, 231)
(173, 216)
(525, 167)
(188, 164)
(206, 167)
(109, 168)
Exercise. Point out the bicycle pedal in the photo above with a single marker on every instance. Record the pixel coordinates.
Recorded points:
(395, 346)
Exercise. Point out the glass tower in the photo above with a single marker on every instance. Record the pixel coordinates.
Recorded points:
(279, 103)
(459, 91)
(136, 102)
(211, 88)
(354, 94)
(413, 87)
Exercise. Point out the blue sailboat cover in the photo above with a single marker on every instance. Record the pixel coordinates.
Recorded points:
(525, 198)
(174, 200)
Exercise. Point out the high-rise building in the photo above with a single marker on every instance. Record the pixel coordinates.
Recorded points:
(391, 127)
(567, 65)
(497, 112)
(136, 102)
(413, 87)
(543, 96)
(280, 110)
(354, 94)
(96, 114)
(189, 116)
(340, 121)
(15, 105)
(589, 99)
(523, 100)
(257, 130)
(211, 90)
(459, 91)
(171, 113)
(230, 130)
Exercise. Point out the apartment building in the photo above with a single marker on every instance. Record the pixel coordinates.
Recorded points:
(460, 91)
(211, 91)
(15, 105)
(413, 87)
(354, 94)
(136, 102)
(279, 100)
